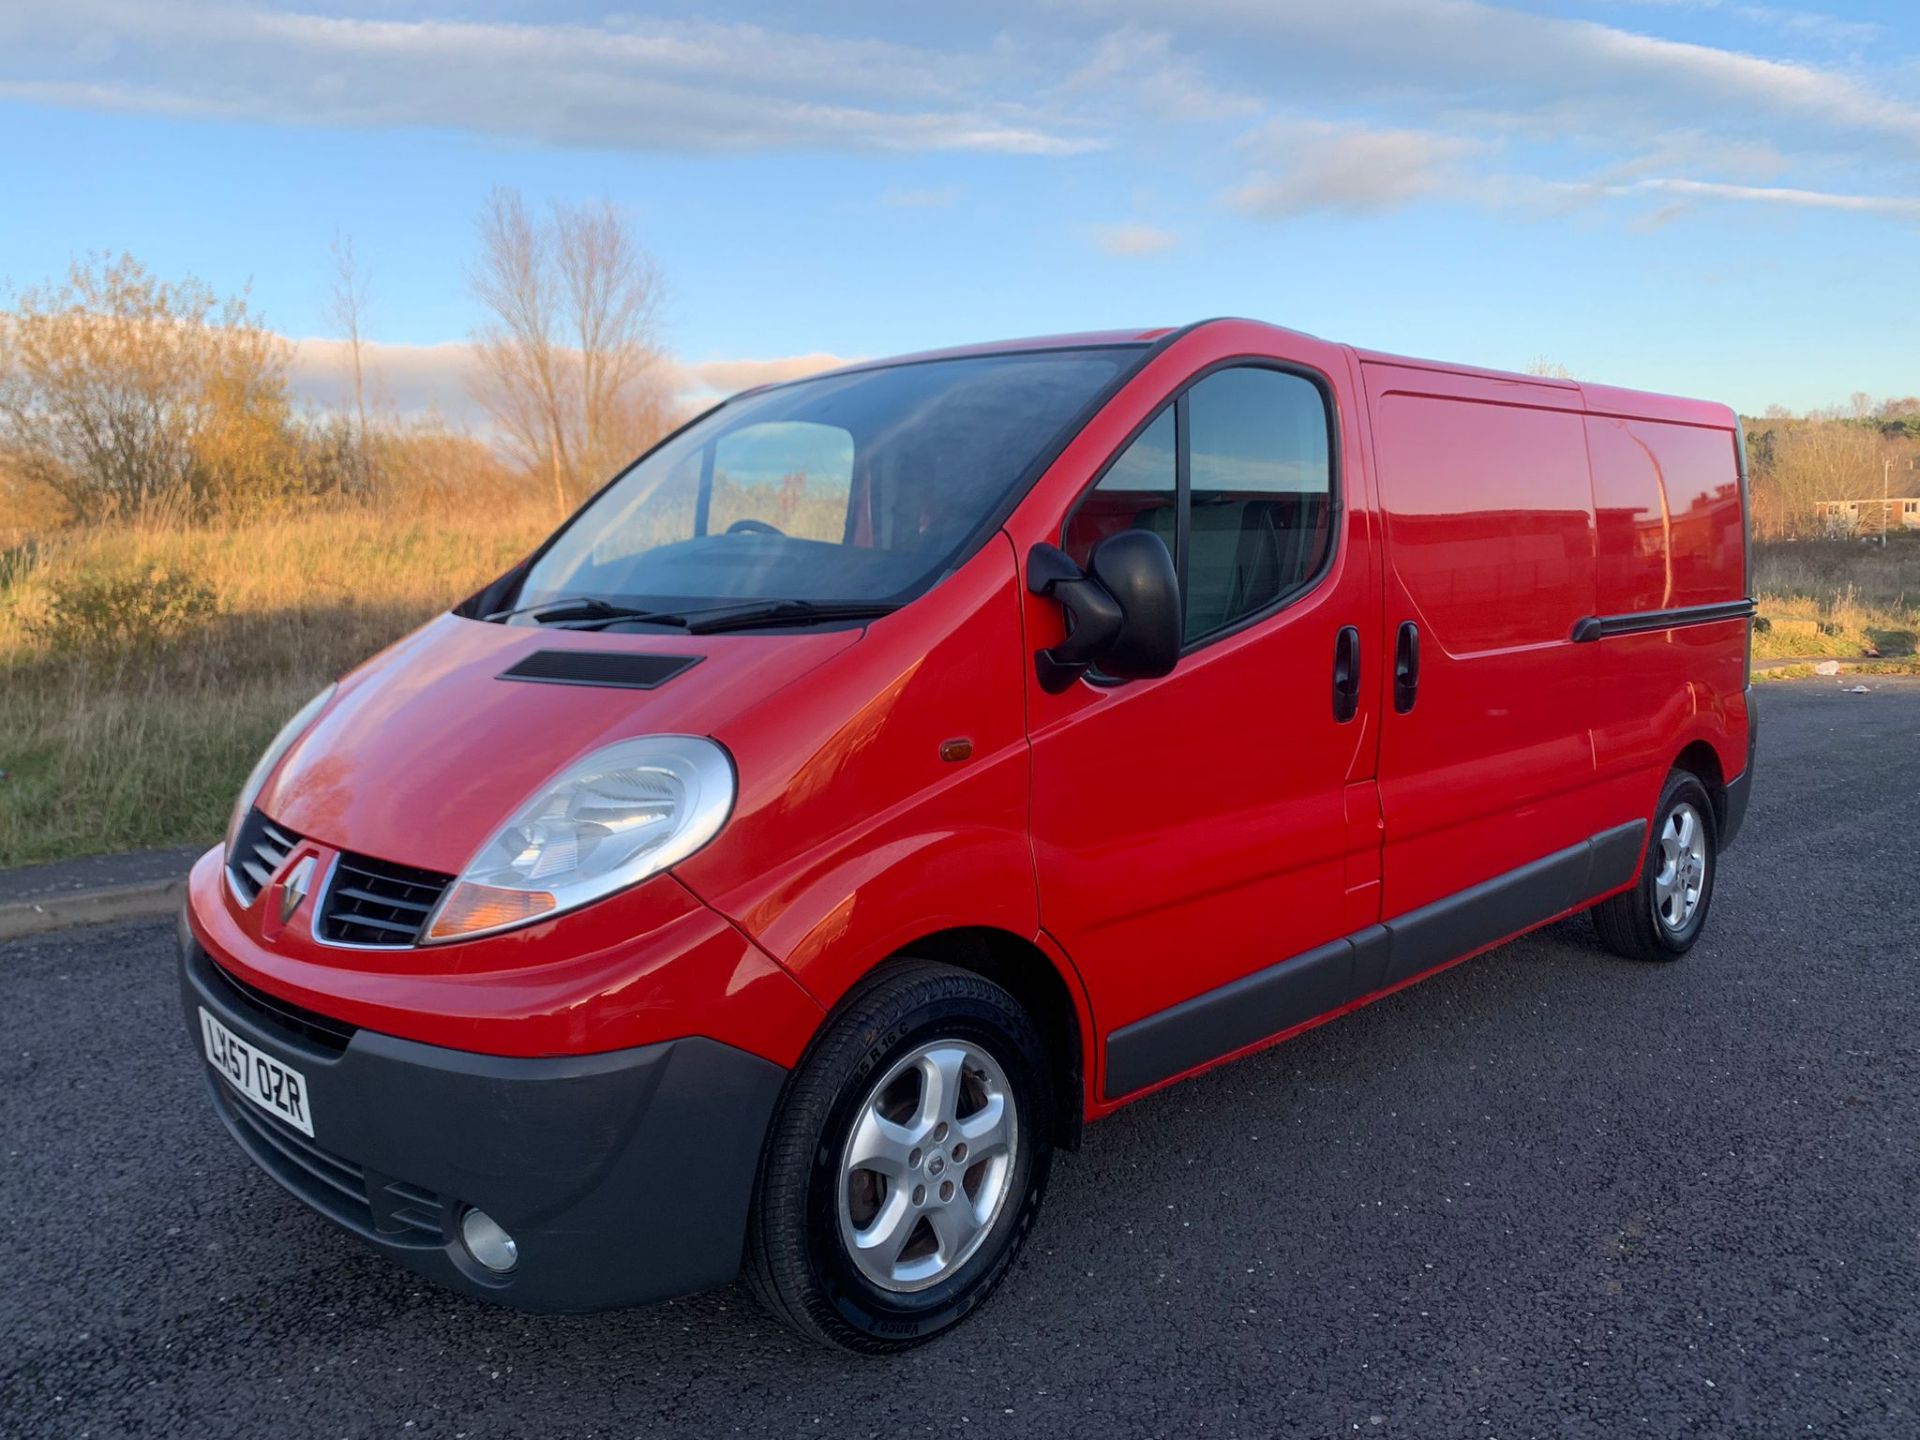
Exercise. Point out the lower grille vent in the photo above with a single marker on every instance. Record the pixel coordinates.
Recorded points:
(283, 1015)
(364, 1202)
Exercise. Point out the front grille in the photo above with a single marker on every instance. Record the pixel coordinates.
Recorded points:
(375, 902)
(371, 1204)
(259, 850)
(280, 1015)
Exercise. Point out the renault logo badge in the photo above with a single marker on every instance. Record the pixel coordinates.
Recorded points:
(294, 888)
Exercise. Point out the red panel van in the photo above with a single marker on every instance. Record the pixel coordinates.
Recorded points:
(897, 769)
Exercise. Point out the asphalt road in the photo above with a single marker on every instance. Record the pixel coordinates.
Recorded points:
(1546, 1193)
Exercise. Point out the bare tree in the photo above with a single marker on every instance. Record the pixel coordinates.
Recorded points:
(612, 292)
(1811, 462)
(347, 308)
(520, 368)
(568, 361)
(1548, 369)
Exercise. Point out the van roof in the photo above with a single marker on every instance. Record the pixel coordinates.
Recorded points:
(1081, 340)
(1599, 399)
(1074, 341)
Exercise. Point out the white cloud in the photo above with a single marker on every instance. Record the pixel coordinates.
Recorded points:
(727, 377)
(1904, 207)
(1307, 166)
(1569, 73)
(1131, 240)
(1315, 166)
(1384, 94)
(1139, 70)
(414, 380)
(1746, 161)
(1828, 29)
(630, 84)
(1640, 115)
(423, 380)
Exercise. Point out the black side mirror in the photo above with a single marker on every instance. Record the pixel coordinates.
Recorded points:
(1125, 614)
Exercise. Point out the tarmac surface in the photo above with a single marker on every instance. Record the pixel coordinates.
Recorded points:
(1547, 1193)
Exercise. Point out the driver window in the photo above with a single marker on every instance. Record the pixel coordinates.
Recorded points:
(1235, 475)
(795, 476)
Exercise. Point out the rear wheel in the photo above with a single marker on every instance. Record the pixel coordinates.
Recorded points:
(906, 1164)
(1662, 916)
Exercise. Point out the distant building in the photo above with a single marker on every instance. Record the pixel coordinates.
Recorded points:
(1865, 517)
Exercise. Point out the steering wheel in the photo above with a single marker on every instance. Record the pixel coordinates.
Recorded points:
(754, 527)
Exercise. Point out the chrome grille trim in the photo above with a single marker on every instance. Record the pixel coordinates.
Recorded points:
(369, 904)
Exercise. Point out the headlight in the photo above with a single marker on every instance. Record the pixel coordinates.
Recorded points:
(602, 824)
(272, 756)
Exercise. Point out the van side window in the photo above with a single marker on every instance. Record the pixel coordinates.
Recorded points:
(1260, 489)
(1140, 488)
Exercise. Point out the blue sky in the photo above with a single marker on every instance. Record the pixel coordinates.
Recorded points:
(1705, 196)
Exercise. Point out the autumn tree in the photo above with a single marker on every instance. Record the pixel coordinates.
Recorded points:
(126, 394)
(568, 361)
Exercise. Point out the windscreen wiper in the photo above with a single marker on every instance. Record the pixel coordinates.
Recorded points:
(587, 607)
(779, 612)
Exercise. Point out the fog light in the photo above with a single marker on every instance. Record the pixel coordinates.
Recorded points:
(487, 1242)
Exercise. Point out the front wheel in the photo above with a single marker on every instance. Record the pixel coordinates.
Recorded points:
(1663, 914)
(906, 1164)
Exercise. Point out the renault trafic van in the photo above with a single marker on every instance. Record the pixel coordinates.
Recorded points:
(897, 769)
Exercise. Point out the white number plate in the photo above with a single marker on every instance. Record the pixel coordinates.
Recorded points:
(277, 1088)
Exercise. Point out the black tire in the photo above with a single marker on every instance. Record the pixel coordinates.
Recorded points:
(1632, 923)
(797, 1260)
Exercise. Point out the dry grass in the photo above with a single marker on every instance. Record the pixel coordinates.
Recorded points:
(1837, 598)
(109, 748)
(1850, 670)
(121, 749)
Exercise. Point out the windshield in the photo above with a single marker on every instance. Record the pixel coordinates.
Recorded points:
(858, 490)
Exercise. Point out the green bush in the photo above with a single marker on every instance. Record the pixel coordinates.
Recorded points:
(99, 615)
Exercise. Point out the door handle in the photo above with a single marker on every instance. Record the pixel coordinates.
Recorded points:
(1346, 674)
(1406, 667)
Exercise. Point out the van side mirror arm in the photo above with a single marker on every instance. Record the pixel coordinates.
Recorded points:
(1096, 616)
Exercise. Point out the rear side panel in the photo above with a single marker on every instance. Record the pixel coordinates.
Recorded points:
(1668, 501)
(1667, 496)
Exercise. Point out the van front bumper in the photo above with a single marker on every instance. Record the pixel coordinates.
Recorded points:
(623, 1178)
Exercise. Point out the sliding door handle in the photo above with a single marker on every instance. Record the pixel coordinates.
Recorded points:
(1346, 674)
(1406, 667)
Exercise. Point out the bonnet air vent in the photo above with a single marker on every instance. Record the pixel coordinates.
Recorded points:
(609, 669)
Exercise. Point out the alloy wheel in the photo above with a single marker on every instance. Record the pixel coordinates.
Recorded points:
(1682, 873)
(927, 1167)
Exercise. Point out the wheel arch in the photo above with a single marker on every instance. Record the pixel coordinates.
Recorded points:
(1700, 759)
